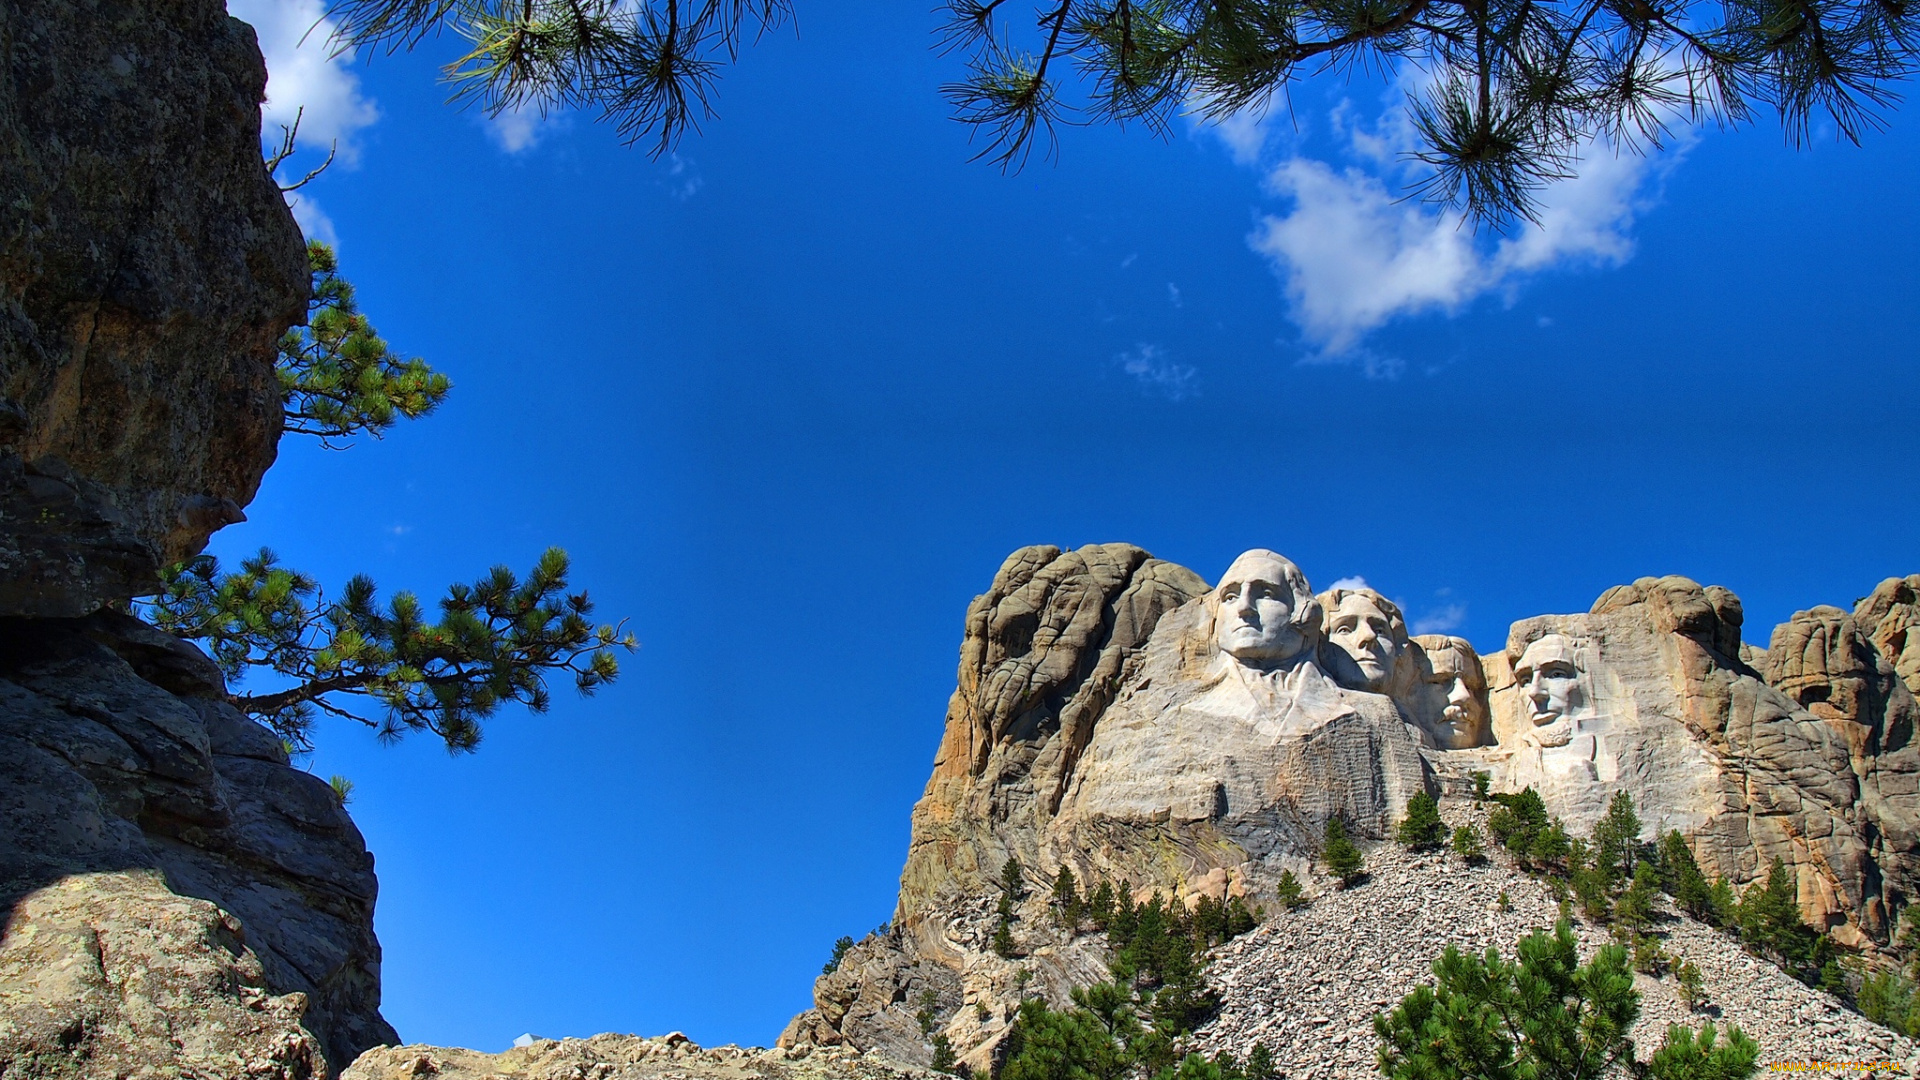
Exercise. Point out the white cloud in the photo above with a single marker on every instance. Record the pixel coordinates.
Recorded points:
(1353, 252)
(682, 180)
(1150, 367)
(314, 222)
(1354, 581)
(518, 130)
(296, 39)
(1442, 620)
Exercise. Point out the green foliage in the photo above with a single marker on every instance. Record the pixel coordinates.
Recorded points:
(1635, 906)
(1013, 882)
(840, 949)
(1693, 986)
(1770, 922)
(648, 67)
(1002, 942)
(1288, 890)
(1508, 97)
(1066, 899)
(1099, 908)
(1422, 827)
(496, 641)
(1887, 998)
(928, 1015)
(342, 788)
(1466, 844)
(1680, 876)
(1684, 1057)
(1260, 1063)
(1616, 837)
(337, 377)
(1480, 782)
(1081, 1043)
(1725, 907)
(1518, 821)
(1341, 857)
(1575, 1017)
(944, 1060)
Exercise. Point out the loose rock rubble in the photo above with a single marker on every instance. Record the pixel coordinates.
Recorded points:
(627, 1057)
(1308, 983)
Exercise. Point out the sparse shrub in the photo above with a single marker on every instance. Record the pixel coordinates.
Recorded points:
(1480, 782)
(342, 789)
(929, 1015)
(1506, 902)
(1693, 986)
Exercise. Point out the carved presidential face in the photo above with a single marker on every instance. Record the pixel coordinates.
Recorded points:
(1260, 602)
(1366, 638)
(1551, 685)
(1455, 679)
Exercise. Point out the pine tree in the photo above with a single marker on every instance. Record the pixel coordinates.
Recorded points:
(1260, 1063)
(1099, 909)
(496, 641)
(1480, 782)
(1422, 827)
(1466, 844)
(1239, 919)
(1684, 1057)
(1012, 881)
(944, 1060)
(1288, 891)
(1003, 939)
(1616, 837)
(1770, 921)
(1066, 899)
(840, 949)
(1342, 858)
(1680, 876)
(1725, 907)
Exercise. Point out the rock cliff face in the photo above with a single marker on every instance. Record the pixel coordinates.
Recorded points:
(1118, 718)
(180, 897)
(147, 266)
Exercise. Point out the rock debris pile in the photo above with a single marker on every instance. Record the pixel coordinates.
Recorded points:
(624, 1057)
(1308, 983)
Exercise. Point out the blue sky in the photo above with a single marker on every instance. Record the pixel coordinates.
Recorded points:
(790, 395)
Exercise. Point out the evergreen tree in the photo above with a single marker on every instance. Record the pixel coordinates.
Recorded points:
(498, 640)
(1616, 837)
(1466, 844)
(1480, 782)
(840, 949)
(1422, 827)
(1887, 998)
(1576, 1016)
(1260, 1063)
(1066, 899)
(944, 1060)
(1342, 858)
(1099, 910)
(1635, 906)
(1518, 820)
(338, 378)
(1683, 1057)
(1723, 904)
(1070, 1044)
(1012, 881)
(1680, 876)
(1288, 891)
(1550, 847)
(1770, 921)
(1239, 919)
(1003, 946)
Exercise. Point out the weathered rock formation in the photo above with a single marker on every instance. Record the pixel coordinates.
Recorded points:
(624, 1057)
(180, 897)
(1188, 741)
(148, 265)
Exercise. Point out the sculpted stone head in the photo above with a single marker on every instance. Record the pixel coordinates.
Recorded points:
(1365, 639)
(1553, 688)
(1263, 612)
(1456, 687)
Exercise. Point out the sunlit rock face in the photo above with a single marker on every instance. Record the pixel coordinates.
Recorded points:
(1230, 746)
(1447, 697)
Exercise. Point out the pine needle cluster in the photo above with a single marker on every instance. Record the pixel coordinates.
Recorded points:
(1513, 93)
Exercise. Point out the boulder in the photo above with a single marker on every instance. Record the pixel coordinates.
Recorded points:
(137, 806)
(148, 265)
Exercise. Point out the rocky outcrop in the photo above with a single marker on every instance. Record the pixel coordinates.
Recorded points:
(626, 1057)
(148, 265)
(180, 897)
(1040, 661)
